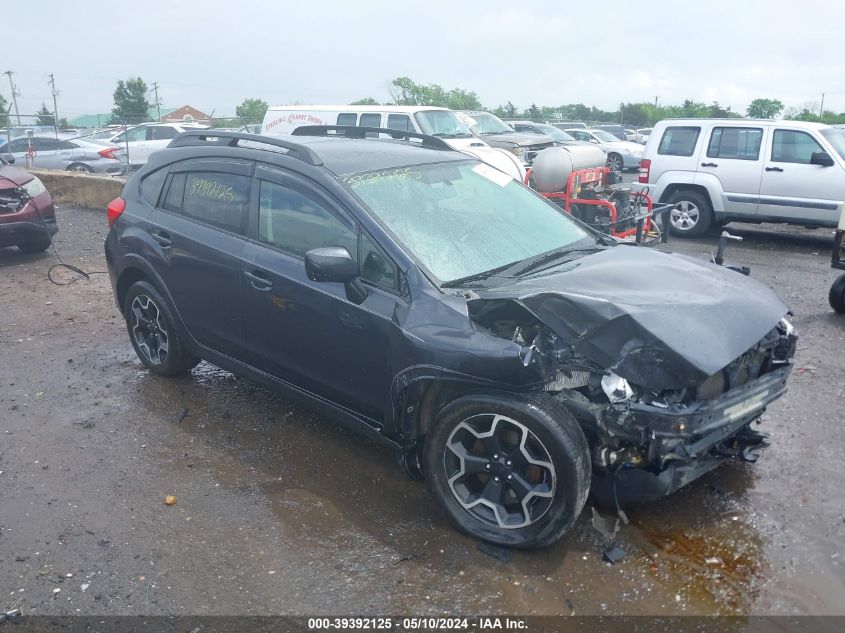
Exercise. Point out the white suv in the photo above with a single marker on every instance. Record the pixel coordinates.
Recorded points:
(724, 170)
(142, 140)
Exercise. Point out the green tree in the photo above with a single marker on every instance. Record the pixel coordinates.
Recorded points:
(533, 112)
(4, 119)
(45, 117)
(764, 108)
(365, 101)
(405, 91)
(130, 101)
(252, 110)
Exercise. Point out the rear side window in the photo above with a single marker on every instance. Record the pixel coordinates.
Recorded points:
(742, 143)
(792, 146)
(370, 120)
(294, 223)
(151, 186)
(216, 198)
(399, 122)
(175, 192)
(347, 118)
(162, 133)
(679, 141)
(67, 145)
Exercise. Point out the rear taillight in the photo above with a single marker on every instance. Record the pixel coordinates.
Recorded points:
(115, 208)
(109, 152)
(645, 169)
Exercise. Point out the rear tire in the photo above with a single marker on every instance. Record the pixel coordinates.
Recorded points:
(691, 214)
(35, 244)
(615, 162)
(153, 332)
(509, 469)
(80, 167)
(836, 297)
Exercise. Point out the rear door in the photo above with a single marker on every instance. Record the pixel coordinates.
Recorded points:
(792, 189)
(197, 240)
(733, 155)
(309, 333)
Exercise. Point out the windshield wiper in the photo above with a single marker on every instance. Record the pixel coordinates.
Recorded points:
(552, 256)
(476, 277)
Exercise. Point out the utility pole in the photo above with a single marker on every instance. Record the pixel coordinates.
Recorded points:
(52, 83)
(158, 105)
(821, 107)
(14, 95)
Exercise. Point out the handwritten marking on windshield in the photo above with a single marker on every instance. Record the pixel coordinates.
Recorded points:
(368, 178)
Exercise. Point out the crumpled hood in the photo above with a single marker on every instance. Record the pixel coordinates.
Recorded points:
(660, 320)
(17, 176)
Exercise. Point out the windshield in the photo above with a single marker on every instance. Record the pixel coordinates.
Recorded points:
(441, 123)
(486, 123)
(556, 134)
(837, 139)
(603, 136)
(462, 219)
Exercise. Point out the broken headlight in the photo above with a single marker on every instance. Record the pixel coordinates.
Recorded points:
(34, 187)
(616, 388)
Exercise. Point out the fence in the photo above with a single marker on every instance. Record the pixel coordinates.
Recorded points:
(113, 148)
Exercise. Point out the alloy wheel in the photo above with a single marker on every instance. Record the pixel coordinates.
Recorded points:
(149, 330)
(499, 471)
(614, 163)
(685, 215)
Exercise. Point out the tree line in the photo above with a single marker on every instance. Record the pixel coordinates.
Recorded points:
(132, 105)
(404, 91)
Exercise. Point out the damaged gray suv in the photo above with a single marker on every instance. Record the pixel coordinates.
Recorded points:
(515, 358)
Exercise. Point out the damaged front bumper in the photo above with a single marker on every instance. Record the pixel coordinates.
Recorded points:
(676, 447)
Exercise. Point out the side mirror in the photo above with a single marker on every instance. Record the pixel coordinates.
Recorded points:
(821, 158)
(9, 158)
(335, 264)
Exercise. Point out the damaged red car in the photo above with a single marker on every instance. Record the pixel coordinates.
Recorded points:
(517, 359)
(27, 217)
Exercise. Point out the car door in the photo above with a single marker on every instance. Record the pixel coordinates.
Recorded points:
(197, 237)
(18, 148)
(733, 156)
(309, 333)
(791, 188)
(134, 141)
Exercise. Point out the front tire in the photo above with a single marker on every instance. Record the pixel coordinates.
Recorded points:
(691, 214)
(509, 469)
(153, 332)
(35, 244)
(837, 295)
(80, 167)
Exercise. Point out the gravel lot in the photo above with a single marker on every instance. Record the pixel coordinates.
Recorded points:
(281, 512)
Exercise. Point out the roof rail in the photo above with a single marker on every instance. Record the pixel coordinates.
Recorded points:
(355, 131)
(211, 136)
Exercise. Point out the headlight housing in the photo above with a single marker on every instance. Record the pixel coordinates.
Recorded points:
(518, 151)
(34, 187)
(616, 388)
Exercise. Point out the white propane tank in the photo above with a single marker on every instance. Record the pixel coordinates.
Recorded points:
(553, 165)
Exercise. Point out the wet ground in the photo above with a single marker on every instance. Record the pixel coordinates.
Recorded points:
(279, 511)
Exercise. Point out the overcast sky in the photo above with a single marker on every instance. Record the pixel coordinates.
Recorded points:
(213, 54)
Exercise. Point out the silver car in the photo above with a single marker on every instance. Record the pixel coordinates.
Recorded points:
(69, 154)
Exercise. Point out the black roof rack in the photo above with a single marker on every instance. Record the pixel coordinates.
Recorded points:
(356, 131)
(232, 139)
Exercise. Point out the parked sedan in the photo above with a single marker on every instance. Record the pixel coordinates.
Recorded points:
(558, 136)
(620, 154)
(68, 154)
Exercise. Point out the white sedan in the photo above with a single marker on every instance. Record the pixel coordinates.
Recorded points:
(620, 154)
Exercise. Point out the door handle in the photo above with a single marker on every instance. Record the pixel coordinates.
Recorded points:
(163, 238)
(258, 281)
(773, 169)
(709, 165)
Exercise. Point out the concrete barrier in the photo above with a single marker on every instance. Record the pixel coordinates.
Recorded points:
(85, 190)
